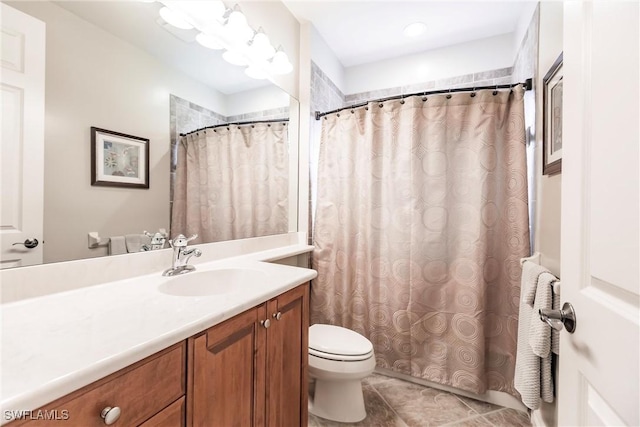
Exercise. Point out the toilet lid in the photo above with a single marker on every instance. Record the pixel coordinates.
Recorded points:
(338, 340)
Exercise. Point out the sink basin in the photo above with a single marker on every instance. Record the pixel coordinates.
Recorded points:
(211, 282)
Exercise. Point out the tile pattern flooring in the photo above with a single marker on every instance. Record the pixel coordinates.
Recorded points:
(397, 403)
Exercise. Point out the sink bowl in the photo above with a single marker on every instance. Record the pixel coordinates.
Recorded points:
(211, 282)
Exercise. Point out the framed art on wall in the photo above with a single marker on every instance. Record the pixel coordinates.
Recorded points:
(552, 116)
(119, 160)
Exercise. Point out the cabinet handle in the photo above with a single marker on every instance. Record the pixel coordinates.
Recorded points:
(277, 315)
(266, 323)
(110, 415)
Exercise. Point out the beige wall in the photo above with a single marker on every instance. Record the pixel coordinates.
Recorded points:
(96, 79)
(547, 222)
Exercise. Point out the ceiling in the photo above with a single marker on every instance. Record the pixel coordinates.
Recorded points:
(360, 32)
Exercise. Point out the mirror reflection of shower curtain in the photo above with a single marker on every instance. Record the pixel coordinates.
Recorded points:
(232, 182)
(421, 222)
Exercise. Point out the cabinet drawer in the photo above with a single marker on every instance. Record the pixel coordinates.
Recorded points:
(140, 391)
(171, 416)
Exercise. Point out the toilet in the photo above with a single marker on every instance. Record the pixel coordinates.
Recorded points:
(339, 359)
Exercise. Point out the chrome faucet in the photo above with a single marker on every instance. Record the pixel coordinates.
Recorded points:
(181, 256)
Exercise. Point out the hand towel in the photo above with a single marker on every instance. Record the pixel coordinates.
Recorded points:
(555, 335)
(531, 370)
(540, 334)
(117, 245)
(135, 242)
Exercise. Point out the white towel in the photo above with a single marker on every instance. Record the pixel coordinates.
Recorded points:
(533, 373)
(555, 335)
(117, 245)
(136, 241)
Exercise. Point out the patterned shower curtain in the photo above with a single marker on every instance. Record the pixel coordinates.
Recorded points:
(420, 224)
(232, 183)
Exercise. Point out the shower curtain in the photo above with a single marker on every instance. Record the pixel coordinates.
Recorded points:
(232, 182)
(420, 225)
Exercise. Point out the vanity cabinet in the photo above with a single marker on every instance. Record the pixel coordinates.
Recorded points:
(146, 393)
(251, 370)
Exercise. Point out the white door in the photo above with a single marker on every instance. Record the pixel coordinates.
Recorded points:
(599, 376)
(22, 143)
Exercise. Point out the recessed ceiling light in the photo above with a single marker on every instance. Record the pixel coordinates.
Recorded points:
(415, 29)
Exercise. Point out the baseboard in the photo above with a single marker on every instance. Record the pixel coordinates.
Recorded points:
(491, 396)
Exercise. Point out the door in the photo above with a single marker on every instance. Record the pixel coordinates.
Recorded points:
(22, 138)
(227, 373)
(287, 359)
(599, 375)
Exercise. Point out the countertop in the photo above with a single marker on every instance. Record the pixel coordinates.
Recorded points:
(55, 344)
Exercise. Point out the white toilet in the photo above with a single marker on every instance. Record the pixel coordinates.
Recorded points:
(339, 359)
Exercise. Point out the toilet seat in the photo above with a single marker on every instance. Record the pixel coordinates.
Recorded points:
(337, 343)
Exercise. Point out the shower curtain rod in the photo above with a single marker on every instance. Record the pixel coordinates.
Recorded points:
(234, 124)
(528, 85)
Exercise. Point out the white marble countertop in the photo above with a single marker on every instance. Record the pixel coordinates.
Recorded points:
(55, 344)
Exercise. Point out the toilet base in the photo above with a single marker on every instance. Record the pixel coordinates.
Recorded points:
(340, 401)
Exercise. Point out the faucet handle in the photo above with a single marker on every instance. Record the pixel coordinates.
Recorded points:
(181, 240)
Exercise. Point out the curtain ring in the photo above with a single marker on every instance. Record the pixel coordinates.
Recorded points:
(381, 105)
(473, 93)
(449, 94)
(424, 96)
(366, 108)
(337, 114)
(495, 92)
(401, 100)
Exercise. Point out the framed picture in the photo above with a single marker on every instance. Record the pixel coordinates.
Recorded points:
(119, 160)
(552, 115)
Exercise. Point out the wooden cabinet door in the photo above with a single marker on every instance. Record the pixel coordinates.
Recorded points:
(287, 359)
(227, 373)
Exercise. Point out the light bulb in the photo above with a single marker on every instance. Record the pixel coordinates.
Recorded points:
(234, 58)
(414, 30)
(280, 63)
(261, 47)
(238, 27)
(209, 41)
(174, 18)
(255, 73)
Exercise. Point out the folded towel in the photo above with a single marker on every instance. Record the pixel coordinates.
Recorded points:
(533, 373)
(136, 241)
(117, 245)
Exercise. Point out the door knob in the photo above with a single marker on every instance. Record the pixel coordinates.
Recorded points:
(29, 243)
(277, 315)
(557, 318)
(266, 323)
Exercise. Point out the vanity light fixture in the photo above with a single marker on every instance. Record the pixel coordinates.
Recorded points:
(280, 63)
(261, 46)
(414, 30)
(209, 41)
(174, 18)
(235, 58)
(221, 28)
(238, 27)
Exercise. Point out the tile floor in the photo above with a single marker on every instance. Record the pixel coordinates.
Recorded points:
(397, 403)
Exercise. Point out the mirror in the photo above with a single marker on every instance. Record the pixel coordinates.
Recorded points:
(115, 65)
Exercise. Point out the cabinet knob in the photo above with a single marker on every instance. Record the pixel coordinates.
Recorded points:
(110, 415)
(266, 323)
(277, 315)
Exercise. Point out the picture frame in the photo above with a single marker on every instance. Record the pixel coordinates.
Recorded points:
(552, 117)
(118, 159)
